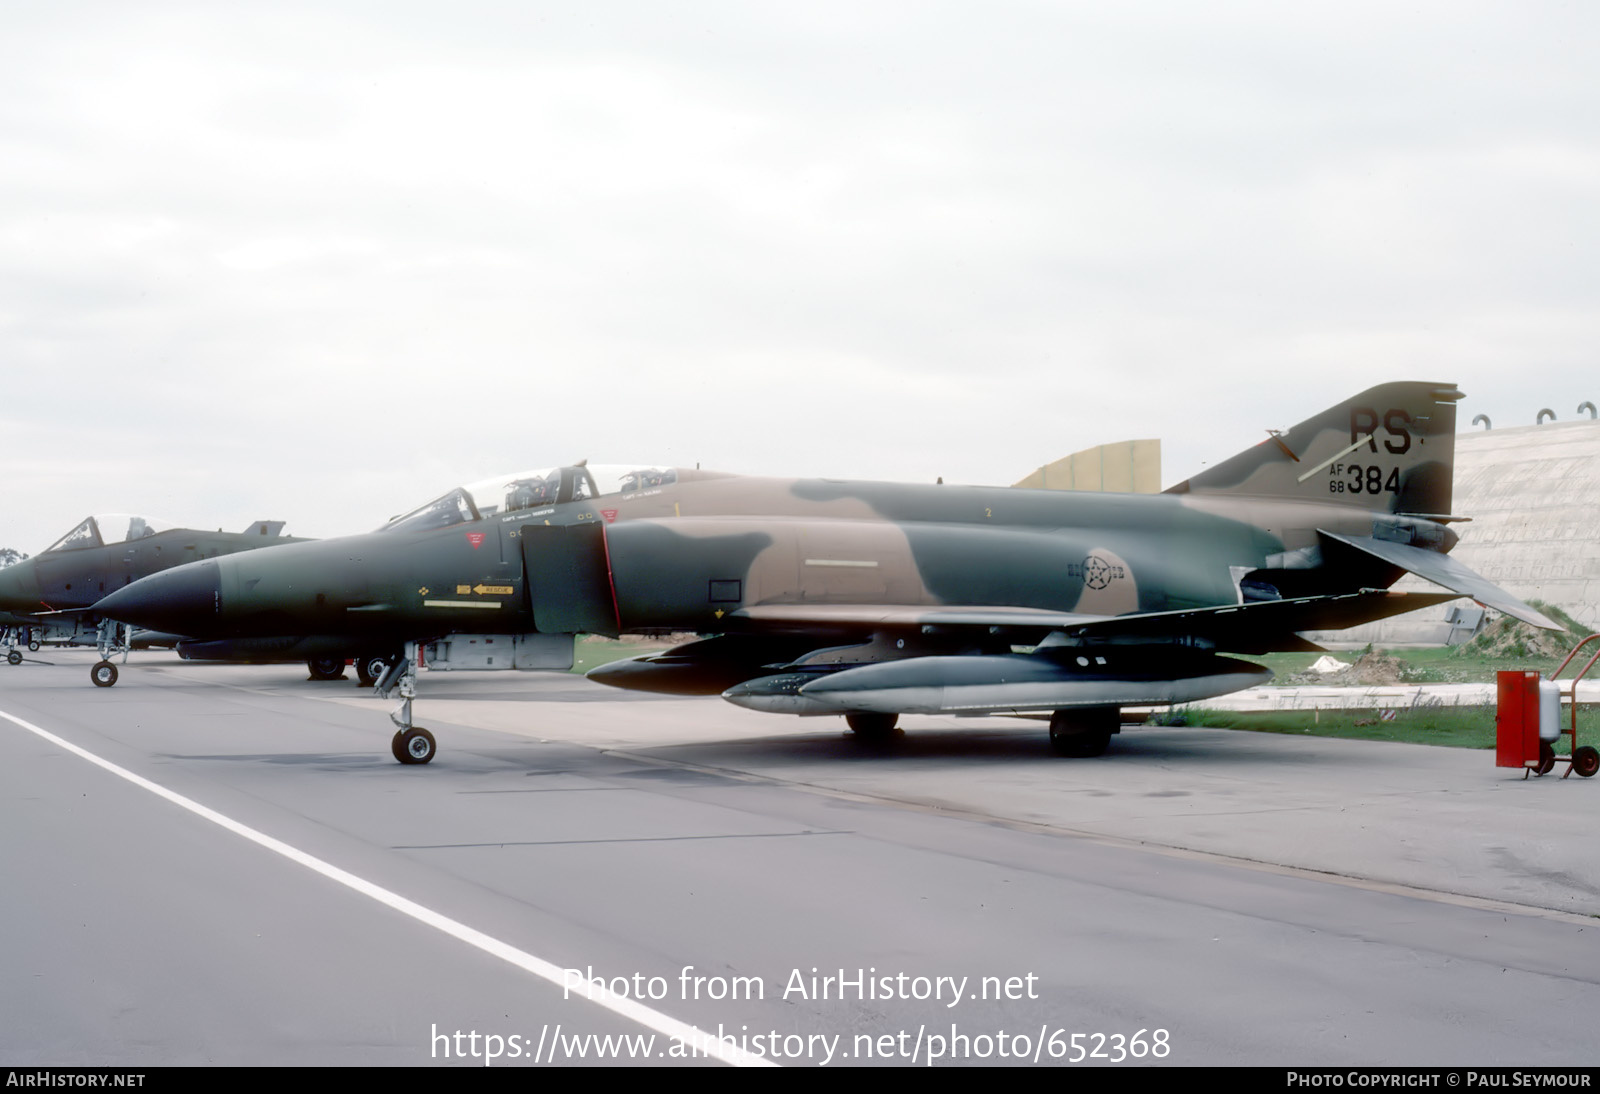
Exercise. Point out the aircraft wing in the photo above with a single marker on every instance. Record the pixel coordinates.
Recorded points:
(1444, 570)
(1261, 626)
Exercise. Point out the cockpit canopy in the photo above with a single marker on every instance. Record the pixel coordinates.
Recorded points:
(531, 490)
(105, 528)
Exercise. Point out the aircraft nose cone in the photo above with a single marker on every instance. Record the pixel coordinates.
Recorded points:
(182, 600)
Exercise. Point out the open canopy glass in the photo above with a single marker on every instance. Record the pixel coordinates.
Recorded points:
(105, 528)
(531, 490)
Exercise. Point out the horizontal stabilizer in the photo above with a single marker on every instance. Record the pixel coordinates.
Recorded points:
(1444, 570)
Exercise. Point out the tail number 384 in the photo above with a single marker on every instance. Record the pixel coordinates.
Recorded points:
(1357, 478)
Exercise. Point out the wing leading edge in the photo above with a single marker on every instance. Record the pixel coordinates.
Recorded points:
(1255, 627)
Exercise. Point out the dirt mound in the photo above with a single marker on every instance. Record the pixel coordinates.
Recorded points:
(1510, 639)
(1373, 668)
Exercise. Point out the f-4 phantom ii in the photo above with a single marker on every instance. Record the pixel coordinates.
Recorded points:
(872, 600)
(52, 597)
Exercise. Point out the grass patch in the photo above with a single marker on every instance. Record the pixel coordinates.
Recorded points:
(1449, 726)
(592, 651)
(1504, 644)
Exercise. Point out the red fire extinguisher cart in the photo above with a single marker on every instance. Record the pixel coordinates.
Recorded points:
(1528, 720)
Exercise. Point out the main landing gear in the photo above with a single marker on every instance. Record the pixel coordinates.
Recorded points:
(370, 667)
(411, 744)
(873, 727)
(1074, 731)
(111, 639)
(326, 668)
(1083, 731)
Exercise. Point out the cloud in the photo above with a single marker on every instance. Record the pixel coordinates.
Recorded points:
(317, 262)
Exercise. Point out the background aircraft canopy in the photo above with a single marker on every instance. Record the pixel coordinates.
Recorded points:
(105, 528)
(531, 490)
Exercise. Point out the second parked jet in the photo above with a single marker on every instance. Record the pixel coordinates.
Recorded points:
(52, 597)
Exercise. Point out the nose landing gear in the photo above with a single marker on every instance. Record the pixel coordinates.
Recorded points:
(113, 638)
(411, 744)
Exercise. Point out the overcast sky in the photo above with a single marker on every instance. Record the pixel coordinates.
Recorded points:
(318, 262)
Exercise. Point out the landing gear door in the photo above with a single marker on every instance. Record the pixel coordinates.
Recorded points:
(569, 579)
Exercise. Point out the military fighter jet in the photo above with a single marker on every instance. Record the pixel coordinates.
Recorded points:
(871, 600)
(51, 597)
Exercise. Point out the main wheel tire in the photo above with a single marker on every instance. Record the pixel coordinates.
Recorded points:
(326, 668)
(1586, 761)
(413, 746)
(33, 645)
(872, 726)
(13, 657)
(370, 668)
(104, 674)
(1082, 733)
(1547, 759)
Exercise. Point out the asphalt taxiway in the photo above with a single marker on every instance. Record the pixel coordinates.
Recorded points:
(223, 864)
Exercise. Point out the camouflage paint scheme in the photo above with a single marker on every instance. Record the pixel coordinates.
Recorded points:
(874, 599)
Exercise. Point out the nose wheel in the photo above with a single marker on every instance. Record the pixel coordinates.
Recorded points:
(413, 746)
(111, 638)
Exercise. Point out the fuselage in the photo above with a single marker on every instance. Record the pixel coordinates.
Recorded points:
(701, 552)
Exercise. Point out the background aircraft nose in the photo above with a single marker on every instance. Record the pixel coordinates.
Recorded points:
(182, 600)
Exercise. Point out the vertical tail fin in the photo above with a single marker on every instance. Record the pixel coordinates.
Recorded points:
(1390, 449)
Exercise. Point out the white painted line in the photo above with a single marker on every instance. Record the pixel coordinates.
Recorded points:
(705, 1044)
(855, 563)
